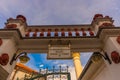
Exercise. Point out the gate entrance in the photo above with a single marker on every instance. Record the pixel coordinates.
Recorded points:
(54, 74)
(57, 41)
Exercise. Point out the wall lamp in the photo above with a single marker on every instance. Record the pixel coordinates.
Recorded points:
(97, 56)
(22, 57)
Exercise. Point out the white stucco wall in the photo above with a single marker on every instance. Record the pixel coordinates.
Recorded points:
(111, 71)
(104, 75)
(21, 28)
(8, 47)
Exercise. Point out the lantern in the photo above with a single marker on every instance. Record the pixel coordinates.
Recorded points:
(115, 57)
(24, 59)
(96, 58)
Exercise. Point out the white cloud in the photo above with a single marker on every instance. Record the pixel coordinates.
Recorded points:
(41, 65)
(67, 11)
(62, 65)
(55, 62)
(59, 11)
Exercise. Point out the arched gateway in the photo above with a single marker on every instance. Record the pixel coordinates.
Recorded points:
(60, 42)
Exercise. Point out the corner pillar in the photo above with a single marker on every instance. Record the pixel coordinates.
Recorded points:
(77, 64)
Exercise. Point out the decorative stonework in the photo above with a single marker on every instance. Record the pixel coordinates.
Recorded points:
(4, 59)
(115, 57)
(106, 25)
(106, 17)
(27, 34)
(35, 34)
(21, 17)
(76, 54)
(98, 16)
(11, 26)
(118, 39)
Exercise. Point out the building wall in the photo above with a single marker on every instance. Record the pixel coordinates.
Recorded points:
(114, 69)
(110, 71)
(8, 47)
(105, 74)
(20, 75)
(3, 74)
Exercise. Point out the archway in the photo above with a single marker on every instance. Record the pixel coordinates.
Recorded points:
(68, 40)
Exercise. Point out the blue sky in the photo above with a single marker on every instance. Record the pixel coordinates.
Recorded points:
(52, 12)
(58, 11)
(39, 61)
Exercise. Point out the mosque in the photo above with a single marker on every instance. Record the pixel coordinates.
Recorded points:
(101, 37)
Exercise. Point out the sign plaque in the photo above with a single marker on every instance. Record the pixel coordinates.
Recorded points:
(59, 52)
